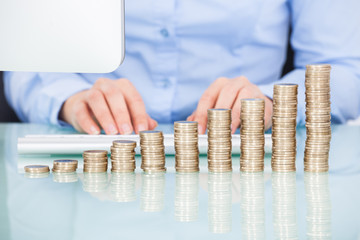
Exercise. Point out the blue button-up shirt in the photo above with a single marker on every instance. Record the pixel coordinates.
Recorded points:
(176, 48)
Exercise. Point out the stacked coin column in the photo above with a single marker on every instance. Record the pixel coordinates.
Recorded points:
(152, 151)
(219, 140)
(318, 118)
(252, 135)
(186, 146)
(95, 161)
(123, 156)
(284, 127)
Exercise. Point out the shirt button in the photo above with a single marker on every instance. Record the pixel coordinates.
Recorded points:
(165, 83)
(164, 32)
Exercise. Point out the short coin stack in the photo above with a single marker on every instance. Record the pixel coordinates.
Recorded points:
(252, 135)
(65, 166)
(36, 171)
(219, 140)
(284, 127)
(186, 146)
(123, 156)
(318, 118)
(152, 151)
(95, 161)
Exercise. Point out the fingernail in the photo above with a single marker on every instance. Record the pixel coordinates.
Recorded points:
(126, 129)
(141, 127)
(94, 130)
(112, 129)
(200, 129)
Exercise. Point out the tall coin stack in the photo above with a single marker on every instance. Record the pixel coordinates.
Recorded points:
(318, 118)
(219, 140)
(284, 127)
(95, 161)
(252, 135)
(123, 156)
(186, 146)
(152, 151)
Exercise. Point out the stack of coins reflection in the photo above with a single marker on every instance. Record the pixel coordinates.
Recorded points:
(252, 135)
(186, 146)
(220, 202)
(219, 140)
(284, 205)
(36, 171)
(318, 118)
(65, 177)
(284, 127)
(152, 151)
(123, 156)
(318, 216)
(122, 187)
(95, 161)
(187, 197)
(65, 166)
(95, 182)
(152, 192)
(252, 205)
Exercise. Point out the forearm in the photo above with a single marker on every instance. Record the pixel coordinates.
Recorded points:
(38, 97)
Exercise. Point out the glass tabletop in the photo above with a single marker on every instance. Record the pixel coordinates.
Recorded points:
(172, 205)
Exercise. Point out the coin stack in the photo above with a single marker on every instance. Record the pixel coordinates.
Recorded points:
(284, 127)
(318, 118)
(65, 166)
(152, 151)
(219, 140)
(36, 171)
(252, 135)
(95, 161)
(186, 146)
(123, 156)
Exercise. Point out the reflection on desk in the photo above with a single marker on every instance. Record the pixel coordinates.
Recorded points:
(170, 205)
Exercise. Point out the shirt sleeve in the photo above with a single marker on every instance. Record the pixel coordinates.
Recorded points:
(38, 97)
(326, 32)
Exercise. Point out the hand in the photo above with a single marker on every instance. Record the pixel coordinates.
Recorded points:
(113, 104)
(227, 93)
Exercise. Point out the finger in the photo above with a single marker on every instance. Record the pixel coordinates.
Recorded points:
(208, 101)
(84, 122)
(119, 110)
(136, 106)
(229, 93)
(268, 113)
(99, 107)
(235, 114)
(190, 118)
(152, 123)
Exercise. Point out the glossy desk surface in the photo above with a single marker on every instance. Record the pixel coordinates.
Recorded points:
(181, 206)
